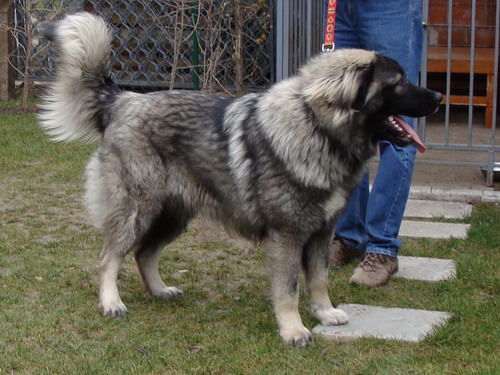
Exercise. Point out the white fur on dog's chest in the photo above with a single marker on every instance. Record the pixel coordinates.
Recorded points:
(334, 203)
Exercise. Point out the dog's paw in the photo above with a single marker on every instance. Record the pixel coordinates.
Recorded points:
(113, 310)
(297, 337)
(331, 317)
(167, 292)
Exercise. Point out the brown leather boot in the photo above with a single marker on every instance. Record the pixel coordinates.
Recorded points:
(374, 270)
(341, 254)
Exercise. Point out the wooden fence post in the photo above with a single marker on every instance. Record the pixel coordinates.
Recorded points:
(7, 84)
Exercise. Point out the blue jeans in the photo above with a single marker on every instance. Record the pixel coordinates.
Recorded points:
(371, 220)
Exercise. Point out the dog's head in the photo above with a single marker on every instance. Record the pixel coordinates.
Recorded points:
(344, 83)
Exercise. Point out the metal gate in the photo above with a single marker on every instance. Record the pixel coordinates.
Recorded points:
(299, 33)
(473, 22)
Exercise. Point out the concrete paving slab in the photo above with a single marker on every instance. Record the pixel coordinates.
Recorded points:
(484, 194)
(426, 269)
(457, 195)
(491, 196)
(384, 323)
(419, 208)
(423, 229)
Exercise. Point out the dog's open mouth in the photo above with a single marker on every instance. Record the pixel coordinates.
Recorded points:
(402, 130)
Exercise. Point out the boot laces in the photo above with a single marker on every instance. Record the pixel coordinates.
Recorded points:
(370, 261)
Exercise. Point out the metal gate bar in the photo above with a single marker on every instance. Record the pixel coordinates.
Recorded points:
(491, 153)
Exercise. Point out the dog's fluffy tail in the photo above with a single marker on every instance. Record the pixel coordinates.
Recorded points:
(72, 107)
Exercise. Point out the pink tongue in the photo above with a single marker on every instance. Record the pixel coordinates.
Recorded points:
(413, 133)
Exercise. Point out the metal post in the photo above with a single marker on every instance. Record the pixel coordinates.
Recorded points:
(421, 122)
(491, 152)
(309, 29)
(448, 74)
(282, 39)
(471, 74)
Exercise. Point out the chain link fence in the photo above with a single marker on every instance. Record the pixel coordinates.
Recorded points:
(214, 45)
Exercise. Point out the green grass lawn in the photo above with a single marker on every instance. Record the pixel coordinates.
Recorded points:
(50, 324)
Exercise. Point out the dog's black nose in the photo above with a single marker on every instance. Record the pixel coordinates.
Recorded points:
(438, 97)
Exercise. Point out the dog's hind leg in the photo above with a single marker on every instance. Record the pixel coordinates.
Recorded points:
(119, 238)
(163, 230)
(125, 199)
(114, 213)
(283, 253)
(315, 264)
(125, 225)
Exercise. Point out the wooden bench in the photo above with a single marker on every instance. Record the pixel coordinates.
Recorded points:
(460, 63)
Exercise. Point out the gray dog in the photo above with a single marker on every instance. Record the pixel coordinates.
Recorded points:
(276, 167)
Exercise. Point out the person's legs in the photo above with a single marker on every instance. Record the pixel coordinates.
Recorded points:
(371, 221)
(392, 28)
(387, 200)
(350, 226)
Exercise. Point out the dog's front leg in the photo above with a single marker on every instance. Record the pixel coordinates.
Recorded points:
(283, 263)
(315, 263)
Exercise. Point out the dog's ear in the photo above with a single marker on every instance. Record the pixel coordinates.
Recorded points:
(343, 81)
(365, 91)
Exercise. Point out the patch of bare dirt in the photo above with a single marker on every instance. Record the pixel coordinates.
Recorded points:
(17, 110)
